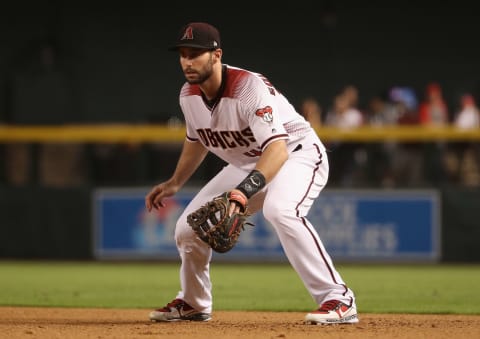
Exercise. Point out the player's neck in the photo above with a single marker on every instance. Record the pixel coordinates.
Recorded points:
(211, 87)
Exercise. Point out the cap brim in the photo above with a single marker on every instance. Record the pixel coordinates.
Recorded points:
(176, 47)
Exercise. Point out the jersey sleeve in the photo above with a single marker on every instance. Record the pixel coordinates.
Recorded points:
(262, 109)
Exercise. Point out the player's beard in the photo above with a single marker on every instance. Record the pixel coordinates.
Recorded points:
(202, 75)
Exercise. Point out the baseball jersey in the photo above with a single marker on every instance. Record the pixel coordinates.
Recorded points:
(247, 115)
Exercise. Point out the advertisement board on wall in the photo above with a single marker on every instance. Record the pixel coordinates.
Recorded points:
(354, 225)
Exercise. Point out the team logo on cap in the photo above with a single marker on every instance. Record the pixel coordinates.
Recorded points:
(188, 35)
(265, 113)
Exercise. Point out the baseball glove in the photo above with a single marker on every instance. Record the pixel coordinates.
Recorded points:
(214, 226)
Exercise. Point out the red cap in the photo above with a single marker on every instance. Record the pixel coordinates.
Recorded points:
(468, 100)
(434, 88)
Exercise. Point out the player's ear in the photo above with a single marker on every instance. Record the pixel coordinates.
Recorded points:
(218, 53)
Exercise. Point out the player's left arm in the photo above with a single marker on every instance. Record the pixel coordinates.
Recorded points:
(262, 114)
(272, 159)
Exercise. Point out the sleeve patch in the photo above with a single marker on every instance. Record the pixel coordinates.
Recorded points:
(265, 113)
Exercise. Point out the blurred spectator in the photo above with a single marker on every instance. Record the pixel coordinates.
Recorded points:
(343, 113)
(347, 158)
(433, 110)
(352, 94)
(407, 163)
(462, 159)
(381, 112)
(312, 111)
(406, 103)
(468, 115)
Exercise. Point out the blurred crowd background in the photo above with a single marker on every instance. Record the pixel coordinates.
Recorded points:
(400, 164)
(344, 64)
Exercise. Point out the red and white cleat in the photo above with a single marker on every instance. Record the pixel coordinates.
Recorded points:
(333, 312)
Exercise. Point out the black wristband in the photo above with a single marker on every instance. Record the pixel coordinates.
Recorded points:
(253, 183)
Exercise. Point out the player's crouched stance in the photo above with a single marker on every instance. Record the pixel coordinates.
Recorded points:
(272, 152)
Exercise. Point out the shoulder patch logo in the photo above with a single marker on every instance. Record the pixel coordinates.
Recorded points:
(265, 113)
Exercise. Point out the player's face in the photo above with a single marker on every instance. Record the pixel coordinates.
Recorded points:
(197, 64)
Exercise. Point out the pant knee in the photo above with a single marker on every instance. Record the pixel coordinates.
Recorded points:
(189, 245)
(183, 233)
(273, 213)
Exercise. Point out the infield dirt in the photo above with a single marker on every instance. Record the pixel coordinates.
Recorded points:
(29, 322)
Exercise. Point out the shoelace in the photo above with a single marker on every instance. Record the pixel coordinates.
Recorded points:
(173, 304)
(329, 305)
(178, 304)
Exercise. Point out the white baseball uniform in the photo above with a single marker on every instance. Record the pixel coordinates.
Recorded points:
(237, 126)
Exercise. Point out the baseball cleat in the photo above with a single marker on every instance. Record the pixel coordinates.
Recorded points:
(333, 312)
(178, 310)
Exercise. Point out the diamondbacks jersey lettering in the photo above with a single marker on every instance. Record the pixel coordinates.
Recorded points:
(226, 139)
(248, 115)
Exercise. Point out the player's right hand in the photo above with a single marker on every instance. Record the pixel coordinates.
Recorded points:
(154, 199)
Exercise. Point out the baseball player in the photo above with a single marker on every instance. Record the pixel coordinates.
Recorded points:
(276, 162)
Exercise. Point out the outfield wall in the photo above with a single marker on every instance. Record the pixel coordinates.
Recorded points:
(57, 224)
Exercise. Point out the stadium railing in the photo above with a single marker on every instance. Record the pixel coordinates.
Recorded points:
(112, 133)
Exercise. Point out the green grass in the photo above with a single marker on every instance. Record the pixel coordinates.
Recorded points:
(273, 287)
